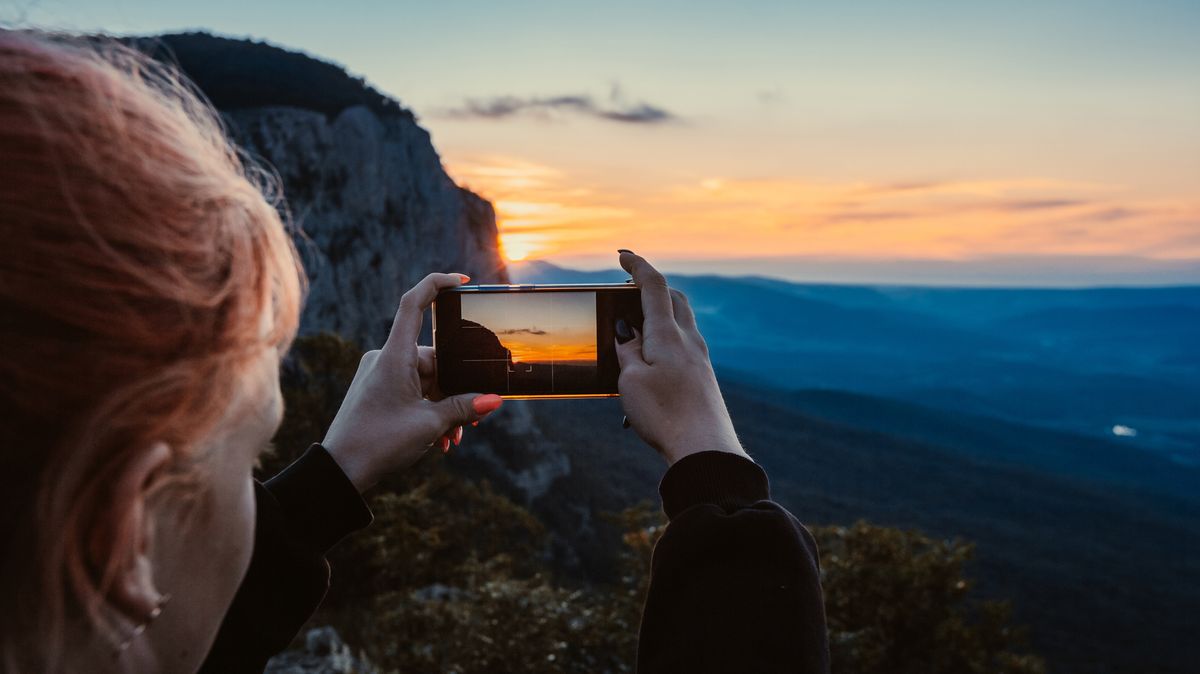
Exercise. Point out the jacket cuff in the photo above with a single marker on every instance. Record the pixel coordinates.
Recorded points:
(319, 501)
(727, 480)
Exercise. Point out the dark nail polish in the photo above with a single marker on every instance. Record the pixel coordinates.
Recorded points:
(624, 334)
(624, 422)
(625, 250)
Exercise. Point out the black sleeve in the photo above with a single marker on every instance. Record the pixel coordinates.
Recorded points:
(302, 512)
(734, 580)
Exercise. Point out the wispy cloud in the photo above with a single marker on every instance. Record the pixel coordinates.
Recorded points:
(521, 331)
(1041, 204)
(614, 109)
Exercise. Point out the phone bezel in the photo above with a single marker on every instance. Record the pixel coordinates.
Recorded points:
(533, 287)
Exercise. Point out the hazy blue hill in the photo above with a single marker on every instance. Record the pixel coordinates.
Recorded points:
(1076, 360)
(1104, 573)
(985, 305)
(739, 313)
(1167, 329)
(1070, 456)
(236, 73)
(1102, 570)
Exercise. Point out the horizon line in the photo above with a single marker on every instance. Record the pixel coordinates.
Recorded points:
(989, 273)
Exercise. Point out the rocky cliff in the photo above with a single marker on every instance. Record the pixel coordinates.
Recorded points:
(376, 210)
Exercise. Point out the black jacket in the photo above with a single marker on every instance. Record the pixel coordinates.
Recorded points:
(734, 583)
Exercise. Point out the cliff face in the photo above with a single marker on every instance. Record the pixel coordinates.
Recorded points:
(375, 207)
(376, 212)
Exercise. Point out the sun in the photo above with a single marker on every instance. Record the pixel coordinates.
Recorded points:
(516, 248)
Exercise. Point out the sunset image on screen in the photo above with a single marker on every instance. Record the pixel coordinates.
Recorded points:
(538, 328)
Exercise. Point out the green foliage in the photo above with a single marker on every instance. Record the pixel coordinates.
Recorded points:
(897, 601)
(435, 531)
(452, 577)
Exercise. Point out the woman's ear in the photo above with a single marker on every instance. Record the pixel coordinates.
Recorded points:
(122, 547)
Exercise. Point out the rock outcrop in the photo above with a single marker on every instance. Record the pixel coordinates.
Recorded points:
(376, 210)
(324, 652)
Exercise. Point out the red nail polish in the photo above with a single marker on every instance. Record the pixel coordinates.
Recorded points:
(487, 403)
(445, 445)
(474, 423)
(458, 436)
(464, 277)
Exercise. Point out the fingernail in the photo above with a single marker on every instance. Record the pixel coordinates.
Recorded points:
(487, 403)
(474, 423)
(623, 333)
(624, 422)
(458, 436)
(445, 445)
(464, 277)
(625, 250)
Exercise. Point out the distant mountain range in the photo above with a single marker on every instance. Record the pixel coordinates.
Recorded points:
(1083, 361)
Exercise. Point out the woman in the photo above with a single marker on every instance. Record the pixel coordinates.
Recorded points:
(148, 290)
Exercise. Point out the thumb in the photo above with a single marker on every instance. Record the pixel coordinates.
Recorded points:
(462, 409)
(629, 352)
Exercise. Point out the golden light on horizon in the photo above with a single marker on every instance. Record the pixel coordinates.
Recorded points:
(529, 351)
(544, 213)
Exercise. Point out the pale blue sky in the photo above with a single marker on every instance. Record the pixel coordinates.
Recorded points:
(1069, 100)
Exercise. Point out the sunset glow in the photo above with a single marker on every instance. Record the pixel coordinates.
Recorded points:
(544, 213)
(556, 351)
(782, 133)
(544, 327)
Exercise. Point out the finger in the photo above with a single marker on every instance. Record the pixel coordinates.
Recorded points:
(465, 408)
(407, 324)
(629, 354)
(427, 370)
(682, 308)
(658, 317)
(425, 361)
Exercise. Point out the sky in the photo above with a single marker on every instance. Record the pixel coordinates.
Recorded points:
(1053, 143)
(564, 329)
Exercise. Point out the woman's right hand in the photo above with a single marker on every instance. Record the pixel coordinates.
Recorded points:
(667, 385)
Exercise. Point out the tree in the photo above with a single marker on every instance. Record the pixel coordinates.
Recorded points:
(897, 601)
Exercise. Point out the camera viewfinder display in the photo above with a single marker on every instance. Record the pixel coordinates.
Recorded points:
(531, 343)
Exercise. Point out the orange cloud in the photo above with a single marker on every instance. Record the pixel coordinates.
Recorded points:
(544, 213)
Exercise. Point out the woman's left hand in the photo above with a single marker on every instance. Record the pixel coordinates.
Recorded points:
(393, 412)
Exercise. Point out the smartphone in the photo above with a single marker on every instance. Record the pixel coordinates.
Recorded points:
(532, 341)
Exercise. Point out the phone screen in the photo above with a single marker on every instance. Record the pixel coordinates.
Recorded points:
(532, 341)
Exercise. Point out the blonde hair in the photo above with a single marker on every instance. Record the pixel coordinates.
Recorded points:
(139, 252)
